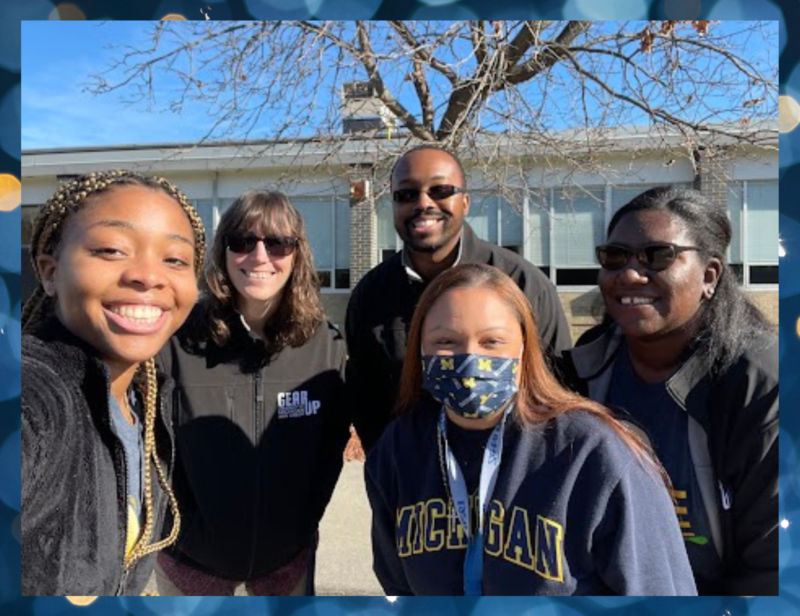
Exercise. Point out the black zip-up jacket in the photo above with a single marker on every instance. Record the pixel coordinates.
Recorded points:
(260, 442)
(379, 314)
(738, 412)
(74, 478)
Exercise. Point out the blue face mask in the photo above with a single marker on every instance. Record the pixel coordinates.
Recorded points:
(472, 386)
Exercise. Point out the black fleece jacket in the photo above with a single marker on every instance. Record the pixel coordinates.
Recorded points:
(260, 441)
(73, 472)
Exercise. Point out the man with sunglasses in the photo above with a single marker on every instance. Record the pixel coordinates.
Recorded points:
(430, 202)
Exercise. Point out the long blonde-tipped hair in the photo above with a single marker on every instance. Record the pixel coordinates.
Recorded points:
(48, 230)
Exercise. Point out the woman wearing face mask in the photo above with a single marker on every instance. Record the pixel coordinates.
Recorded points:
(684, 354)
(495, 480)
(260, 422)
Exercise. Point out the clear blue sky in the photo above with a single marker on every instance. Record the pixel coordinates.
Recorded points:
(59, 57)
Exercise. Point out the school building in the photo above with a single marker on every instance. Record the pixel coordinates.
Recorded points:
(523, 197)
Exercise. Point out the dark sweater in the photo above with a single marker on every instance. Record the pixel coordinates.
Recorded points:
(379, 314)
(73, 473)
(573, 513)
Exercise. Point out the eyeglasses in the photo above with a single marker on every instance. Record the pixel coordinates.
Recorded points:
(440, 192)
(655, 257)
(277, 246)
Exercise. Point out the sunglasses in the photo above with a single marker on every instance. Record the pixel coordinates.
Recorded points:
(655, 257)
(440, 192)
(277, 246)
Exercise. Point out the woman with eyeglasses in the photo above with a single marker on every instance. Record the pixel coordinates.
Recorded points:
(260, 419)
(686, 357)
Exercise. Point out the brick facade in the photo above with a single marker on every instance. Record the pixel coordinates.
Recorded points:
(363, 225)
(713, 173)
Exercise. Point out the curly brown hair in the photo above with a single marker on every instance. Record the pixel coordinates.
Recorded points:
(300, 310)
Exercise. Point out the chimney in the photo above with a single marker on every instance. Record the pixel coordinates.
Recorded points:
(363, 111)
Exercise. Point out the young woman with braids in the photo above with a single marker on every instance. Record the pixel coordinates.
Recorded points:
(684, 354)
(261, 422)
(116, 256)
(495, 480)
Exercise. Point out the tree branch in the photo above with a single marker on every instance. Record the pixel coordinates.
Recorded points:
(366, 55)
(550, 55)
(423, 54)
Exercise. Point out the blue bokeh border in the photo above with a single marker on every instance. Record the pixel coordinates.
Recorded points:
(788, 602)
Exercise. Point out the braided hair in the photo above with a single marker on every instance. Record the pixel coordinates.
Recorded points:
(70, 198)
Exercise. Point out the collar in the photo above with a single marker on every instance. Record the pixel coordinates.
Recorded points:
(79, 360)
(467, 239)
(241, 332)
(593, 359)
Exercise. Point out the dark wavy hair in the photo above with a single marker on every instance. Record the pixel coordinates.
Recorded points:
(300, 311)
(729, 322)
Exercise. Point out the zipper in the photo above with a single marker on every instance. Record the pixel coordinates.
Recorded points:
(257, 409)
(123, 582)
(725, 496)
(122, 482)
(259, 398)
(120, 453)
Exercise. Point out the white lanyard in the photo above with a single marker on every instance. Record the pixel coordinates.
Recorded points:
(473, 563)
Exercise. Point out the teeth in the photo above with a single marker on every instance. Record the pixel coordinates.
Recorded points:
(258, 275)
(427, 222)
(144, 314)
(636, 301)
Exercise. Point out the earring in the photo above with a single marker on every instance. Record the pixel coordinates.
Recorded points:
(709, 293)
(49, 288)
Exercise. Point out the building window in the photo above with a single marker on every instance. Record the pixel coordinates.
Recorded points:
(753, 208)
(510, 224)
(497, 220)
(623, 194)
(537, 230)
(210, 211)
(563, 225)
(388, 240)
(327, 221)
(482, 216)
(578, 226)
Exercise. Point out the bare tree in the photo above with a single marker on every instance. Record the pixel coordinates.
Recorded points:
(542, 87)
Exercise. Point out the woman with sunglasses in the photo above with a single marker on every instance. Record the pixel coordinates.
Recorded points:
(261, 423)
(684, 355)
